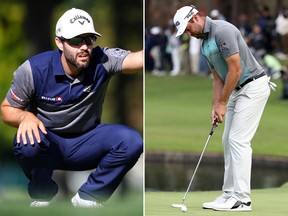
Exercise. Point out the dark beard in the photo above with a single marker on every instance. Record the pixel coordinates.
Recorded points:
(75, 64)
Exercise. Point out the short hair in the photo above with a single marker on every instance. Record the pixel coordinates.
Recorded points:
(198, 14)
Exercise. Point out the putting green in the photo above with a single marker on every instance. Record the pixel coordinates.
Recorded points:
(265, 202)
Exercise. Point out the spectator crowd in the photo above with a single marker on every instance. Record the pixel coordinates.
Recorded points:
(266, 35)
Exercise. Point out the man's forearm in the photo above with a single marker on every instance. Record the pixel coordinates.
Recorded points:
(217, 88)
(11, 115)
(133, 62)
(230, 84)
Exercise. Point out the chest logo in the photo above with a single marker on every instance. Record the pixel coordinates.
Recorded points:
(56, 99)
(88, 89)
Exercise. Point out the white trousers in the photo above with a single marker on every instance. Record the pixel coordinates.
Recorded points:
(244, 111)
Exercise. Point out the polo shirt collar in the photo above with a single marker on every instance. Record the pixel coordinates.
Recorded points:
(58, 69)
(207, 26)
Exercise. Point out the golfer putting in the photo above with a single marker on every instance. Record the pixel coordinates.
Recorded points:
(241, 89)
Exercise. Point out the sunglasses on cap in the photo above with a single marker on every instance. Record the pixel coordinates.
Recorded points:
(77, 41)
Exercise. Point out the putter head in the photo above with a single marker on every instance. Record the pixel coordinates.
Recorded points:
(180, 206)
(176, 205)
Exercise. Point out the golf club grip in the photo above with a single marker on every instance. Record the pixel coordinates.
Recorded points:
(213, 127)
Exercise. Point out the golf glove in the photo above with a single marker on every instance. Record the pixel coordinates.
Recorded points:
(271, 84)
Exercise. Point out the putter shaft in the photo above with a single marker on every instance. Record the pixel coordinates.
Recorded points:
(196, 168)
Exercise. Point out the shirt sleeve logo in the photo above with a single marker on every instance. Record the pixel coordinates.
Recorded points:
(119, 53)
(224, 47)
(15, 97)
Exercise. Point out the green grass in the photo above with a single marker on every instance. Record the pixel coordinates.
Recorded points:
(177, 117)
(265, 202)
(16, 203)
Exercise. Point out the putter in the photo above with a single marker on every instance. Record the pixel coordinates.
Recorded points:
(182, 206)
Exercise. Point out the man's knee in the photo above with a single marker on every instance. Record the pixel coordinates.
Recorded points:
(132, 141)
(135, 140)
(30, 150)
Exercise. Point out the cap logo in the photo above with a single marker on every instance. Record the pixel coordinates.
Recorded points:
(177, 23)
(190, 13)
(82, 23)
(78, 17)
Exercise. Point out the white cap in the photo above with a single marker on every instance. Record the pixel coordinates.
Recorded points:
(182, 17)
(75, 22)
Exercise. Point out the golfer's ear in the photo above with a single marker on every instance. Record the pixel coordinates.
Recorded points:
(59, 43)
(195, 18)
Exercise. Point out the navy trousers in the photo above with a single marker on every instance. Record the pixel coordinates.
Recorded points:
(110, 148)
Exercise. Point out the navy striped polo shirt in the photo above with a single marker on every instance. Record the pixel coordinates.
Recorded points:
(64, 104)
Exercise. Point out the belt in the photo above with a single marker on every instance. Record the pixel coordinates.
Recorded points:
(249, 80)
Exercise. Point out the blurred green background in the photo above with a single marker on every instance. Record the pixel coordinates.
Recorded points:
(27, 27)
(177, 111)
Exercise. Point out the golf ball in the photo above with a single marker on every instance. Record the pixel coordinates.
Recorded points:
(183, 208)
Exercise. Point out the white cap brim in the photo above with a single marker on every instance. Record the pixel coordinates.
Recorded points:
(69, 36)
(181, 29)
